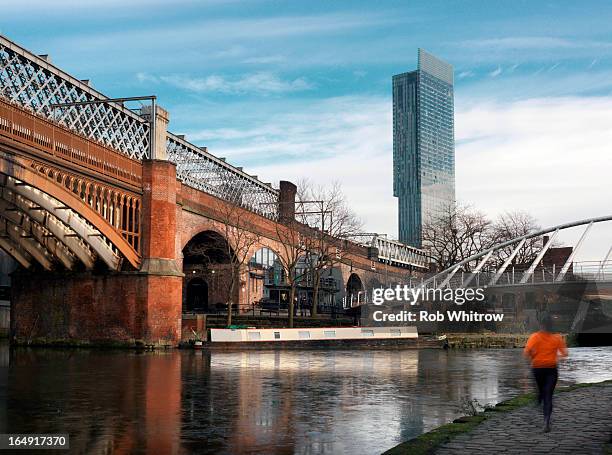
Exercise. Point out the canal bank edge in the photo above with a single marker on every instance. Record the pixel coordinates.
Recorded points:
(428, 442)
(453, 340)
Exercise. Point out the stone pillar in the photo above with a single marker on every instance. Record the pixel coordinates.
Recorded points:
(286, 201)
(162, 306)
(160, 131)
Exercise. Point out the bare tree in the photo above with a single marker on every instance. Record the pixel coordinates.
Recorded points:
(511, 225)
(326, 212)
(458, 232)
(291, 234)
(239, 229)
(455, 233)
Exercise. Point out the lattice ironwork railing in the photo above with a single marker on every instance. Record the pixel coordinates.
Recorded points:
(32, 82)
(203, 171)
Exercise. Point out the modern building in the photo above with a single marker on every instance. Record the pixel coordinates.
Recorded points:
(423, 144)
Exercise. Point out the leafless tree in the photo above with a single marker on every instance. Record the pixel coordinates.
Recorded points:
(511, 225)
(290, 234)
(454, 233)
(239, 229)
(457, 232)
(326, 212)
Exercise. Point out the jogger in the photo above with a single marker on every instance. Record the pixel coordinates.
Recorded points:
(544, 349)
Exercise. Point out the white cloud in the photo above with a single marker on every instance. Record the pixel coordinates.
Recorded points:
(348, 139)
(261, 83)
(539, 84)
(532, 42)
(211, 32)
(143, 77)
(496, 72)
(549, 157)
(529, 50)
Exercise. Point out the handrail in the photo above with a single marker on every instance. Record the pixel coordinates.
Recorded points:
(21, 126)
(560, 227)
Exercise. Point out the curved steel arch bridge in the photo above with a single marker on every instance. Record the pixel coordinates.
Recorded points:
(454, 276)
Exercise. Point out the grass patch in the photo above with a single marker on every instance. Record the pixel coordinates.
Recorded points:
(428, 442)
(425, 443)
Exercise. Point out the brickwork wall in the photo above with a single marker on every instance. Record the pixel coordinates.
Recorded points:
(93, 308)
(147, 306)
(200, 213)
(159, 209)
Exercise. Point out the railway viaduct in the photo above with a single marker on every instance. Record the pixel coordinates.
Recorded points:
(102, 208)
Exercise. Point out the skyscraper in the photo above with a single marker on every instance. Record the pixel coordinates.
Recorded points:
(423, 144)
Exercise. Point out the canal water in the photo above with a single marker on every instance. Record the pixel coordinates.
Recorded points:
(269, 402)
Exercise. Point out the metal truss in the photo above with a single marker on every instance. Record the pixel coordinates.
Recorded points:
(454, 276)
(203, 171)
(32, 82)
(397, 253)
(37, 228)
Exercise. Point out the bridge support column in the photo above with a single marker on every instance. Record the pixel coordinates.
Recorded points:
(286, 201)
(162, 308)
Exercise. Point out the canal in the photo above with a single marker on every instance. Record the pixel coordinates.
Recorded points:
(269, 402)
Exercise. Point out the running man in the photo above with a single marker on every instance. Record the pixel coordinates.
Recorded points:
(544, 349)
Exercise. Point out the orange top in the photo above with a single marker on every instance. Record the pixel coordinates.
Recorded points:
(542, 348)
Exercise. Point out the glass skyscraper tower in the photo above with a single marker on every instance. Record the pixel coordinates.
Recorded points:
(423, 144)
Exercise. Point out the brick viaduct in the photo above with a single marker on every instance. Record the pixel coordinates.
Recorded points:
(143, 300)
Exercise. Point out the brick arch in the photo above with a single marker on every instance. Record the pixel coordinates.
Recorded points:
(354, 277)
(191, 228)
(192, 224)
(353, 286)
(215, 233)
(347, 270)
(265, 243)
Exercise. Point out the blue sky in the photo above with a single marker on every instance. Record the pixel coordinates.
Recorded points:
(302, 89)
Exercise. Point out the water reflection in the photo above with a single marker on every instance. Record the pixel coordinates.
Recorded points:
(325, 401)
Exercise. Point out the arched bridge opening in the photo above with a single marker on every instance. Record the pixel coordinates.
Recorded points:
(209, 271)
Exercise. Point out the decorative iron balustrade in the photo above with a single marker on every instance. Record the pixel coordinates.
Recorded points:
(203, 171)
(32, 82)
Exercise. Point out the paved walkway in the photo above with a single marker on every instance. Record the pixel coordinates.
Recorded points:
(581, 424)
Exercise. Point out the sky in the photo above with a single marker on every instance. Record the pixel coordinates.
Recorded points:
(293, 90)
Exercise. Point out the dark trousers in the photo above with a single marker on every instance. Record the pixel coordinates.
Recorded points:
(546, 380)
